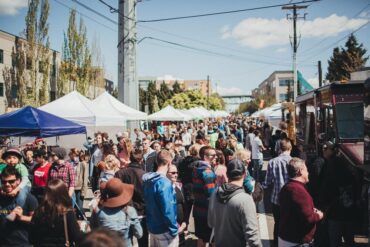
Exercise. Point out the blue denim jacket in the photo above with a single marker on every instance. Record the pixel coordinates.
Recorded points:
(119, 220)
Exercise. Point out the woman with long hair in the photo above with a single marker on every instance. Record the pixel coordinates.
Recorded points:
(53, 216)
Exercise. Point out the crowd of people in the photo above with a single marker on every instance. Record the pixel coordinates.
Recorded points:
(147, 183)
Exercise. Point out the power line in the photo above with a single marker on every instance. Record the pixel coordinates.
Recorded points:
(210, 44)
(115, 10)
(209, 51)
(336, 42)
(225, 12)
(86, 16)
(96, 12)
(323, 40)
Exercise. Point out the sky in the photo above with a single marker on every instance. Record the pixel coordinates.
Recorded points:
(237, 51)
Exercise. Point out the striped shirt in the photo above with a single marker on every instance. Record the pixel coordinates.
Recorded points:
(204, 184)
(277, 175)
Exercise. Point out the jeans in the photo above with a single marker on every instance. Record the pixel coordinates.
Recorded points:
(78, 200)
(22, 196)
(163, 240)
(144, 240)
(276, 214)
(257, 166)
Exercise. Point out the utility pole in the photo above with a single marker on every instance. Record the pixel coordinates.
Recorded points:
(320, 73)
(128, 90)
(295, 45)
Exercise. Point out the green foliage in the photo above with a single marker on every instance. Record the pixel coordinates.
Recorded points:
(251, 107)
(155, 104)
(346, 60)
(152, 94)
(193, 98)
(37, 53)
(142, 99)
(164, 94)
(76, 70)
(176, 88)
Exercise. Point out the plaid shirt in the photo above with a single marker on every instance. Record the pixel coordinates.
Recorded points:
(65, 172)
(277, 174)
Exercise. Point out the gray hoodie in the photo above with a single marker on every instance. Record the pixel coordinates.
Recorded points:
(232, 214)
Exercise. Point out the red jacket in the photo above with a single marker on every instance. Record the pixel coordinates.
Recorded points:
(297, 217)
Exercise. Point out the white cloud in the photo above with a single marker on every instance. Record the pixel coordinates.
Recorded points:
(314, 82)
(11, 7)
(228, 91)
(281, 50)
(260, 32)
(168, 78)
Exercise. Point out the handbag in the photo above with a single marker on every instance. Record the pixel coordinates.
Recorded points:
(257, 193)
(67, 244)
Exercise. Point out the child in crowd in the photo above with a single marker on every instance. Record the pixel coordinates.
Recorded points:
(12, 157)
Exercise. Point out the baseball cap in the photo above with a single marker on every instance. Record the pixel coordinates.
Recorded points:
(235, 168)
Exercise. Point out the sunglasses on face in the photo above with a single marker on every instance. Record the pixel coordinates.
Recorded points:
(211, 155)
(11, 181)
(173, 173)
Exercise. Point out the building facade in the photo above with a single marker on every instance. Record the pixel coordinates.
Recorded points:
(276, 86)
(9, 84)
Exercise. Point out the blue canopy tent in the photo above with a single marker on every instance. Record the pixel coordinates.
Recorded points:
(29, 121)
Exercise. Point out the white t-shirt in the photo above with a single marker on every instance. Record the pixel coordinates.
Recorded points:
(256, 148)
(186, 139)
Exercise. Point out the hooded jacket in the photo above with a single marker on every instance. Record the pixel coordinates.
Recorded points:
(232, 214)
(160, 201)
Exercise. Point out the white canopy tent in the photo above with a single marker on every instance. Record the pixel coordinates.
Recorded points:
(79, 109)
(169, 114)
(107, 101)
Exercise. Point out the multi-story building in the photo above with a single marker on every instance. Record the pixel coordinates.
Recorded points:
(203, 86)
(8, 47)
(8, 44)
(276, 86)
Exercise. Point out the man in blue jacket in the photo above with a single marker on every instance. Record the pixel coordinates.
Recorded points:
(160, 204)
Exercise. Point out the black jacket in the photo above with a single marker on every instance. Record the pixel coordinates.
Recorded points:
(133, 175)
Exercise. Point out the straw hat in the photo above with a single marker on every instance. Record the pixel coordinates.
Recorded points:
(116, 193)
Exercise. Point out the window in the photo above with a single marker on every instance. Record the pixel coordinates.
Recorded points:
(285, 82)
(1, 56)
(350, 120)
(1, 89)
(29, 63)
(283, 97)
(14, 60)
(53, 70)
(52, 96)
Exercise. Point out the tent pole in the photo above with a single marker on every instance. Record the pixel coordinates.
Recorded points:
(19, 141)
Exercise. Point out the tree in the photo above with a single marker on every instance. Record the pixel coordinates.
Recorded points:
(194, 98)
(76, 70)
(346, 60)
(155, 104)
(152, 94)
(142, 99)
(251, 107)
(176, 88)
(37, 51)
(164, 94)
